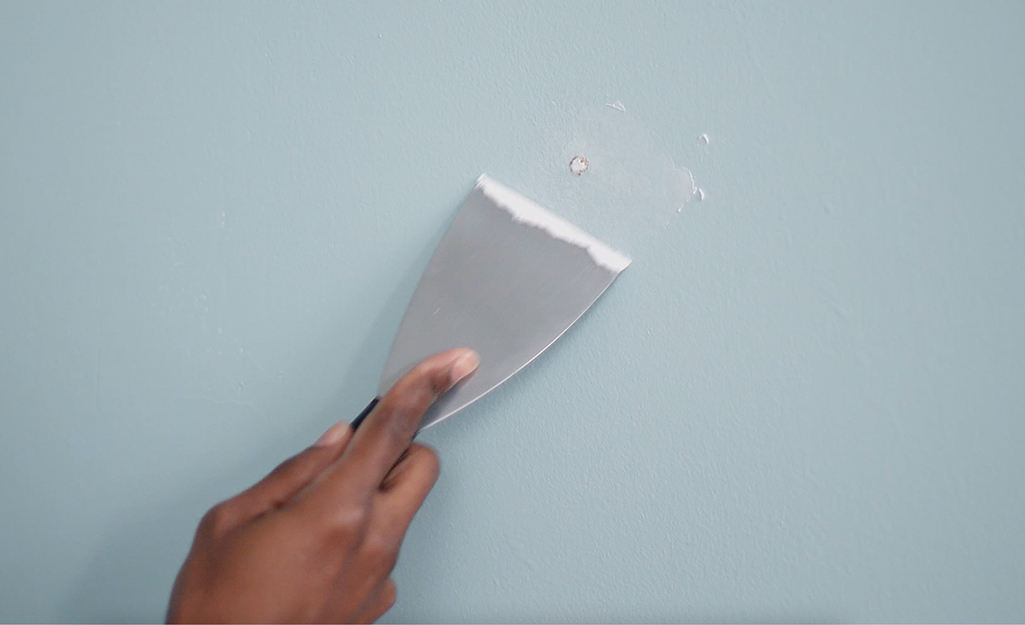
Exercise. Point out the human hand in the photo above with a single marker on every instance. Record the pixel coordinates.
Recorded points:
(317, 539)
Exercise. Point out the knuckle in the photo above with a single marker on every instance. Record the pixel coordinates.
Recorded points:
(217, 519)
(437, 381)
(430, 377)
(285, 468)
(390, 594)
(348, 521)
(381, 551)
(426, 382)
(426, 461)
(395, 419)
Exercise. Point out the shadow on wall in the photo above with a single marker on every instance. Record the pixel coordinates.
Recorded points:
(121, 583)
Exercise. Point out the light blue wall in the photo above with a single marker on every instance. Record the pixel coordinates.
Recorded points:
(805, 399)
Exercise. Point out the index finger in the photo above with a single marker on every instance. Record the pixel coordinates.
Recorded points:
(389, 428)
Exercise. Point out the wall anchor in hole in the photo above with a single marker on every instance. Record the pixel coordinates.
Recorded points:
(578, 165)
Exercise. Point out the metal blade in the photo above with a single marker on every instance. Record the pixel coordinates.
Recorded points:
(508, 279)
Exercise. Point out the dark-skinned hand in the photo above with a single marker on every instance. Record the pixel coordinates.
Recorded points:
(317, 539)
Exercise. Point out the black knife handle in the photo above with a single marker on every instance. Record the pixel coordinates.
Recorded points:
(363, 415)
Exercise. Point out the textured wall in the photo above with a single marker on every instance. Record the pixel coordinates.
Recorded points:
(804, 400)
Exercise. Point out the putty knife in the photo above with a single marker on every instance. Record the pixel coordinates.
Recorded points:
(508, 278)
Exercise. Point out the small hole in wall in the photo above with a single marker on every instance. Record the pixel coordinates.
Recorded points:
(578, 165)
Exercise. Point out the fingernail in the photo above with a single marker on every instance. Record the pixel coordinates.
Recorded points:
(334, 434)
(464, 366)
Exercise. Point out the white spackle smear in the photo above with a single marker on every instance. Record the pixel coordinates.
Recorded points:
(632, 187)
(701, 194)
(617, 105)
(578, 165)
(532, 214)
(687, 179)
(704, 138)
(690, 188)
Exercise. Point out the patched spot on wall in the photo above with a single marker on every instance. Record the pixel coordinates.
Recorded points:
(578, 165)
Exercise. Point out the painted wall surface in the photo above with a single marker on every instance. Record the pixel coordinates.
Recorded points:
(804, 400)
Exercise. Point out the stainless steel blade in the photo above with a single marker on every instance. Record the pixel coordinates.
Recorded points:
(508, 279)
